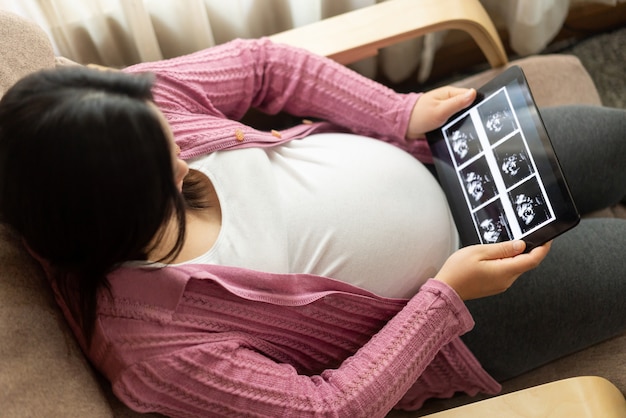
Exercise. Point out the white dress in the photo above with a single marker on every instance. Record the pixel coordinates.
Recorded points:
(338, 205)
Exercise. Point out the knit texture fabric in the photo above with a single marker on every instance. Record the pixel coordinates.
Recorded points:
(203, 95)
(202, 340)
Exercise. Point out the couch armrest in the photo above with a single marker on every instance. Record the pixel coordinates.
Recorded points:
(545, 74)
(582, 397)
(24, 48)
(359, 34)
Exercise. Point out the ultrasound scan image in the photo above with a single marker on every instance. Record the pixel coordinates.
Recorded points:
(463, 140)
(492, 224)
(513, 161)
(530, 205)
(478, 182)
(497, 117)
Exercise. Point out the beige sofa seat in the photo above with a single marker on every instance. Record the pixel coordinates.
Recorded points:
(24, 48)
(42, 371)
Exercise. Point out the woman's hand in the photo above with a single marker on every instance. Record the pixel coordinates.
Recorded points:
(484, 270)
(435, 107)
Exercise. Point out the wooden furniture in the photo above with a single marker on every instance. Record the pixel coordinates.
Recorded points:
(579, 397)
(359, 34)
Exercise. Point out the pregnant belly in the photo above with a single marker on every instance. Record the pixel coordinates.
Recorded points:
(362, 211)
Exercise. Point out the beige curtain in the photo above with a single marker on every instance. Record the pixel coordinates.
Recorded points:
(122, 32)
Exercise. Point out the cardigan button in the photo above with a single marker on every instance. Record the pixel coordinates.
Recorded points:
(276, 134)
(239, 135)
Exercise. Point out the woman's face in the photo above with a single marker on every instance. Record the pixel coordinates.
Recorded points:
(180, 167)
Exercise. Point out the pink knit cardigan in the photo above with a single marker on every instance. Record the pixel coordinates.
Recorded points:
(203, 95)
(207, 340)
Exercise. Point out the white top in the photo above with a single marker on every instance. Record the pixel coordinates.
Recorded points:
(339, 205)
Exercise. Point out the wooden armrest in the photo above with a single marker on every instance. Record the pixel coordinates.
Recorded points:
(577, 397)
(359, 34)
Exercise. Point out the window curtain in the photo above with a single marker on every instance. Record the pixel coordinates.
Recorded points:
(532, 24)
(118, 33)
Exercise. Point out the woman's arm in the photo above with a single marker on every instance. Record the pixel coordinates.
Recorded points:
(233, 373)
(204, 94)
(226, 80)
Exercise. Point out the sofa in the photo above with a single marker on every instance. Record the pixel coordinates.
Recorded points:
(42, 370)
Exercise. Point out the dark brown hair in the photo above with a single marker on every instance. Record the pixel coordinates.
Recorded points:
(86, 176)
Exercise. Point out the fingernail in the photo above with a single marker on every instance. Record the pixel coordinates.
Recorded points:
(518, 245)
(469, 93)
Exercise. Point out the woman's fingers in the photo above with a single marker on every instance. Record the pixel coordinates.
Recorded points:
(484, 270)
(435, 107)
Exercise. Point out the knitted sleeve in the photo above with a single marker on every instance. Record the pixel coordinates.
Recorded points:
(232, 374)
(204, 94)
